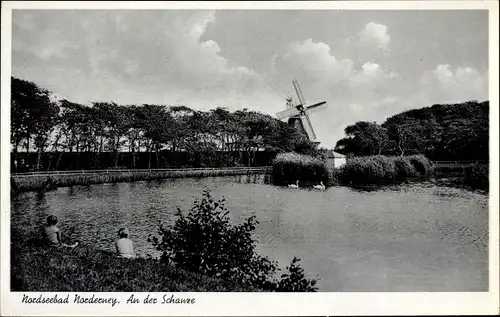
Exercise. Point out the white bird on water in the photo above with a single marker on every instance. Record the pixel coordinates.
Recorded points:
(320, 186)
(296, 186)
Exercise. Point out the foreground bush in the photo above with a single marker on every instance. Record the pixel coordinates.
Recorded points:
(382, 170)
(290, 167)
(204, 241)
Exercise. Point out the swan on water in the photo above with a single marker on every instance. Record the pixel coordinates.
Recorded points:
(294, 186)
(320, 186)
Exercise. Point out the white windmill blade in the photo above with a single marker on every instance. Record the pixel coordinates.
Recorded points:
(288, 113)
(309, 128)
(316, 105)
(302, 100)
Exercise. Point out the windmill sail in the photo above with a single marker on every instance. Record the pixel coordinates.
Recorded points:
(299, 92)
(317, 106)
(290, 112)
(309, 128)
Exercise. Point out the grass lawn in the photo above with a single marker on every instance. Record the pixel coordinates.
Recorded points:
(86, 269)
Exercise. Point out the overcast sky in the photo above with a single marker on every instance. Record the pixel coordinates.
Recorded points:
(367, 64)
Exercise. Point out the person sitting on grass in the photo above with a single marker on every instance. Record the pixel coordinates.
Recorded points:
(124, 246)
(53, 234)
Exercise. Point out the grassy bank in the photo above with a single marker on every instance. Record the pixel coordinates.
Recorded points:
(290, 167)
(86, 269)
(48, 182)
(382, 170)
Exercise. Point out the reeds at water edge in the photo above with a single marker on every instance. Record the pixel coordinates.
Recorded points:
(290, 167)
(366, 170)
(382, 170)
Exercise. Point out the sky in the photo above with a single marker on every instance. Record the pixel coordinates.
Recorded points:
(367, 65)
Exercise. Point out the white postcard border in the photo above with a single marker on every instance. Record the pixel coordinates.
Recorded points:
(284, 304)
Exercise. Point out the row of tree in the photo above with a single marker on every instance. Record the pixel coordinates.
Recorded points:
(41, 124)
(441, 132)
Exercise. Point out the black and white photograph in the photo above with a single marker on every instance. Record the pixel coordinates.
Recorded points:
(164, 154)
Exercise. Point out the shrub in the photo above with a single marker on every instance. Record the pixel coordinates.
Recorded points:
(421, 164)
(386, 167)
(477, 177)
(382, 170)
(363, 170)
(404, 169)
(204, 241)
(295, 281)
(334, 177)
(290, 167)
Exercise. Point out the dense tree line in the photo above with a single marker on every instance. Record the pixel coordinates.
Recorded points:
(50, 127)
(441, 132)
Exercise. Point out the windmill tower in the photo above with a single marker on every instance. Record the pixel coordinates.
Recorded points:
(298, 115)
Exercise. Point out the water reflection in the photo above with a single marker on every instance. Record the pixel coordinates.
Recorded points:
(412, 237)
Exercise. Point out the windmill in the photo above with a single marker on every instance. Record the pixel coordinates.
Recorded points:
(298, 115)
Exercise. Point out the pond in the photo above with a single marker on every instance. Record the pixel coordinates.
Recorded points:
(414, 237)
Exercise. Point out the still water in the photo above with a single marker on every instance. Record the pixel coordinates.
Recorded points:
(414, 237)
